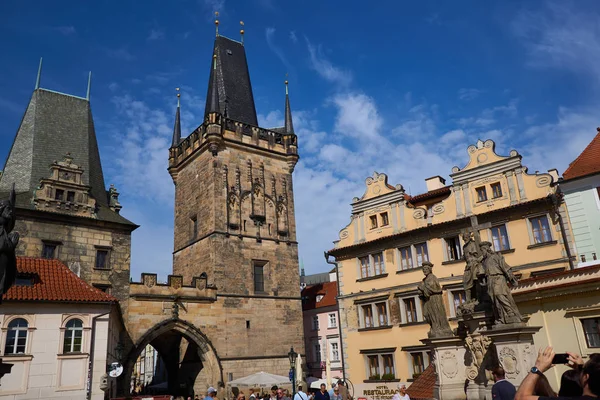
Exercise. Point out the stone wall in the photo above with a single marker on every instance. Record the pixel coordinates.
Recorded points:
(78, 245)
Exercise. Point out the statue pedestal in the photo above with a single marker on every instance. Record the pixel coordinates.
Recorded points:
(515, 350)
(463, 361)
(448, 358)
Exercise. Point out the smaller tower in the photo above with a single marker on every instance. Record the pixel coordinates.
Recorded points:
(289, 126)
(177, 126)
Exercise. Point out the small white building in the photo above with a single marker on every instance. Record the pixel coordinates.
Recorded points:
(59, 333)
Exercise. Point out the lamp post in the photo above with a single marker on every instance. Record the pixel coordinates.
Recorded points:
(292, 355)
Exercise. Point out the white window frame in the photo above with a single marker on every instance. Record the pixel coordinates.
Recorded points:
(380, 364)
(418, 306)
(317, 351)
(530, 228)
(73, 330)
(315, 323)
(371, 265)
(491, 235)
(450, 293)
(30, 330)
(334, 315)
(332, 357)
(458, 249)
(413, 256)
(374, 313)
(411, 368)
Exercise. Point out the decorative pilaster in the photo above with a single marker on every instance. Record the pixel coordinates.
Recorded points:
(511, 187)
(458, 198)
(466, 196)
(520, 184)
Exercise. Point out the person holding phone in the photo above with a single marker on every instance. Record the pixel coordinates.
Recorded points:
(590, 376)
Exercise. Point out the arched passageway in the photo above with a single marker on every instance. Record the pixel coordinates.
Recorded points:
(186, 359)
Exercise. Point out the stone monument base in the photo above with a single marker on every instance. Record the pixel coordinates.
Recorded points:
(463, 362)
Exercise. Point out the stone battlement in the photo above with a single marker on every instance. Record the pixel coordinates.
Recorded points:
(230, 130)
(174, 288)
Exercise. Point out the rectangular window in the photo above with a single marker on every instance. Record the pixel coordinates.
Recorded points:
(367, 316)
(364, 267)
(59, 194)
(71, 197)
(388, 366)
(194, 227)
(104, 288)
(315, 323)
(373, 219)
(453, 250)
(500, 238)
(496, 190)
(591, 329)
(259, 277)
(458, 298)
(378, 263)
(382, 313)
(422, 255)
(374, 367)
(481, 194)
(335, 352)
(384, 219)
(49, 250)
(317, 352)
(102, 259)
(332, 320)
(406, 261)
(410, 310)
(541, 229)
(418, 365)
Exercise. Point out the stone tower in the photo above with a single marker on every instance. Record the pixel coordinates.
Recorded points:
(234, 203)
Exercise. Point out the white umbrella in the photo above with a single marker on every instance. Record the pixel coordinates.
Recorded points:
(299, 371)
(260, 379)
(317, 384)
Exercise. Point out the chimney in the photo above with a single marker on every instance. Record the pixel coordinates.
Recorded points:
(435, 182)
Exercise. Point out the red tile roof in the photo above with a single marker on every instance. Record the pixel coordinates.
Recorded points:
(443, 191)
(53, 281)
(309, 295)
(588, 161)
(422, 387)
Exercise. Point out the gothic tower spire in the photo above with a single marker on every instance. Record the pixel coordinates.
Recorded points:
(289, 126)
(213, 100)
(177, 126)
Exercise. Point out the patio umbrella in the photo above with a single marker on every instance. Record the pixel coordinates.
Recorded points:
(260, 379)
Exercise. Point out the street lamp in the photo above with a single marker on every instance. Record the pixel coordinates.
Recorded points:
(292, 355)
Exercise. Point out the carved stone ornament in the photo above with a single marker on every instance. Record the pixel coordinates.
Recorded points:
(344, 234)
(508, 360)
(150, 281)
(543, 181)
(471, 372)
(449, 364)
(438, 209)
(419, 213)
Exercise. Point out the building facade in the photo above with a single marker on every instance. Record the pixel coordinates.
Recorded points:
(391, 233)
(581, 187)
(59, 333)
(321, 330)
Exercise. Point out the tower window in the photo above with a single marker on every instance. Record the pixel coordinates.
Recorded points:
(259, 275)
(194, 220)
(102, 258)
(247, 324)
(59, 194)
(50, 250)
(71, 197)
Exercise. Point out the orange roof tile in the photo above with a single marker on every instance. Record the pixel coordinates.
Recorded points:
(588, 161)
(443, 191)
(309, 295)
(422, 387)
(52, 281)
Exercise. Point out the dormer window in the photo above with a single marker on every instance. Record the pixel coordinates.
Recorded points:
(319, 297)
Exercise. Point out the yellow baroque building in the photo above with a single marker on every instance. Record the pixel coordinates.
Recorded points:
(379, 255)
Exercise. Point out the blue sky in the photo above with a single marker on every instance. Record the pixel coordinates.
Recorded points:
(392, 86)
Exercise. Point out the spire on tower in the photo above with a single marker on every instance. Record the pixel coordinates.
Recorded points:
(177, 126)
(39, 75)
(289, 126)
(213, 101)
(89, 87)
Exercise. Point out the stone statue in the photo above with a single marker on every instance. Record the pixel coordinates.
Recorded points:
(499, 276)
(473, 269)
(8, 243)
(434, 311)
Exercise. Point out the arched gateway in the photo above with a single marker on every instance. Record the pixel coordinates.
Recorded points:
(190, 358)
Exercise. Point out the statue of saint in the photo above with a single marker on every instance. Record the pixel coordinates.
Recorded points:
(499, 276)
(473, 269)
(8, 243)
(434, 311)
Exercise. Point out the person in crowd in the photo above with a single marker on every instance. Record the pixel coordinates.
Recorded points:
(570, 383)
(336, 394)
(330, 391)
(300, 395)
(589, 378)
(251, 396)
(502, 389)
(322, 394)
(401, 395)
(343, 389)
(281, 395)
(241, 396)
(196, 397)
(211, 394)
(274, 389)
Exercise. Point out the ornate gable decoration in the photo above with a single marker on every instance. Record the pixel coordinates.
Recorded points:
(64, 192)
(483, 153)
(377, 185)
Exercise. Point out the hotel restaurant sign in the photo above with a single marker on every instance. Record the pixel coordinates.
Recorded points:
(376, 391)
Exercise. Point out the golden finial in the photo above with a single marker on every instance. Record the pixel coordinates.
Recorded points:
(178, 96)
(242, 30)
(217, 22)
(214, 61)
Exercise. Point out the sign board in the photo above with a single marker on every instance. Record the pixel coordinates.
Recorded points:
(115, 370)
(376, 391)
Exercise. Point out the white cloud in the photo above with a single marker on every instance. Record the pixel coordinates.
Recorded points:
(293, 37)
(468, 94)
(269, 34)
(113, 86)
(325, 68)
(273, 119)
(155, 34)
(212, 6)
(357, 116)
(561, 35)
(66, 30)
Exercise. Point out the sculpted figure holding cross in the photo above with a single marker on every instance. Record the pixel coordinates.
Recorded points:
(473, 269)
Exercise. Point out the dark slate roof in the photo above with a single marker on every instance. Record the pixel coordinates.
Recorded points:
(235, 91)
(289, 126)
(176, 129)
(55, 124)
(314, 279)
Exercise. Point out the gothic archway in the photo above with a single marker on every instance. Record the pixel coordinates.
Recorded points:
(189, 357)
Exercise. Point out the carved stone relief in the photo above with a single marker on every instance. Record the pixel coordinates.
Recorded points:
(508, 360)
(449, 364)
